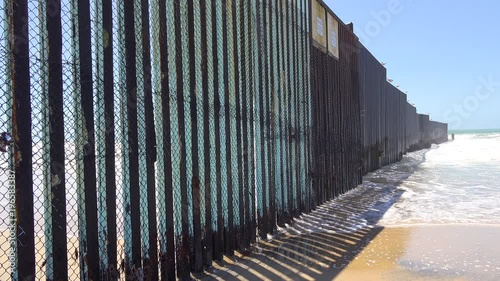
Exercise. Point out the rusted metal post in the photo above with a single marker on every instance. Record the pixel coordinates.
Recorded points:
(89, 252)
(167, 243)
(133, 257)
(58, 262)
(109, 119)
(21, 125)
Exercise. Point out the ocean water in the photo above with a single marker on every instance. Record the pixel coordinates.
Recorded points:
(456, 182)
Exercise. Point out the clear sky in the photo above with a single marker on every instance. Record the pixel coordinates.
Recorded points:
(445, 53)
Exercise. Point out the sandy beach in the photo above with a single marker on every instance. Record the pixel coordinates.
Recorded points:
(401, 224)
(430, 252)
(40, 259)
(324, 246)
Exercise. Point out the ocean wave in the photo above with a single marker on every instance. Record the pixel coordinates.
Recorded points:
(457, 183)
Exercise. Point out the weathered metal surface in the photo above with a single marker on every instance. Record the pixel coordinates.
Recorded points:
(21, 131)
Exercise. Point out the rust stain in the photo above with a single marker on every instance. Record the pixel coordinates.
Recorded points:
(105, 39)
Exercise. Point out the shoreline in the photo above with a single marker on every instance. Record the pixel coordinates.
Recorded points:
(439, 225)
(453, 252)
(334, 243)
(429, 252)
(348, 239)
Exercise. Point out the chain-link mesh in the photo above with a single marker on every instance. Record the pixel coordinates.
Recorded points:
(196, 110)
(211, 159)
(7, 176)
(107, 162)
(257, 121)
(269, 184)
(239, 94)
(220, 133)
(38, 36)
(119, 130)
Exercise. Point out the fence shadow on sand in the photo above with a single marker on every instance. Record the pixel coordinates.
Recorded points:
(319, 245)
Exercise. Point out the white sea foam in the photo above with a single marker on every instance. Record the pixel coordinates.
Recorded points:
(459, 182)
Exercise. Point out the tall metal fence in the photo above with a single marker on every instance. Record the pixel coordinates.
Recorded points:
(390, 125)
(152, 137)
(336, 120)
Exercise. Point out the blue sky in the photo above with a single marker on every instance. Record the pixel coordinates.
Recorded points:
(445, 53)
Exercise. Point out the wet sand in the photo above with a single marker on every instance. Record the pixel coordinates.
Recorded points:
(417, 252)
(343, 240)
(433, 252)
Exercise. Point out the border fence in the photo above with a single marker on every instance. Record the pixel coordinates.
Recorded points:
(151, 137)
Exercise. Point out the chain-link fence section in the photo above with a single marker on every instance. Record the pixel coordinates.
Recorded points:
(143, 139)
(7, 175)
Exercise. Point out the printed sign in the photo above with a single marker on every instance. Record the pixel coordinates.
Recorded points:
(320, 26)
(333, 36)
(318, 23)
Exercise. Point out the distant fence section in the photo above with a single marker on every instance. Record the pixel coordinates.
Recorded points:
(390, 125)
(336, 134)
(145, 139)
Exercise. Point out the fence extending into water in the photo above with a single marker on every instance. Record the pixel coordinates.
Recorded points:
(390, 125)
(152, 137)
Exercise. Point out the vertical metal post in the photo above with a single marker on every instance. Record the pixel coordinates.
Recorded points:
(21, 126)
(109, 115)
(206, 41)
(219, 122)
(245, 93)
(228, 232)
(182, 247)
(87, 187)
(297, 168)
(56, 122)
(272, 115)
(237, 95)
(253, 64)
(196, 251)
(302, 131)
(277, 111)
(283, 52)
(262, 67)
(308, 74)
(289, 106)
(132, 209)
(167, 244)
(151, 256)
(259, 120)
(269, 134)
